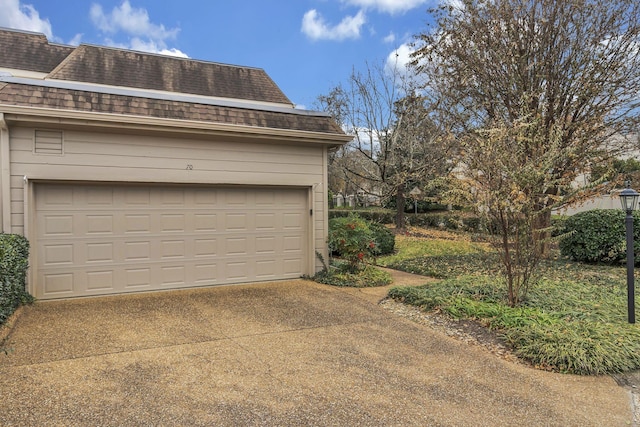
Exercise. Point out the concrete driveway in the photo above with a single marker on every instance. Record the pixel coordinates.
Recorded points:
(292, 353)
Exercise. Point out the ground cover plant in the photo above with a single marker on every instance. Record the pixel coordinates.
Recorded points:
(573, 320)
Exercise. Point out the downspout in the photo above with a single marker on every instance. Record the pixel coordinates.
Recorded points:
(5, 176)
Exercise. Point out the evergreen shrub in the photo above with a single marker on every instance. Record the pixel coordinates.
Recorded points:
(14, 261)
(599, 236)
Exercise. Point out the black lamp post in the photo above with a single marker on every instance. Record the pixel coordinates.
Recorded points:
(629, 200)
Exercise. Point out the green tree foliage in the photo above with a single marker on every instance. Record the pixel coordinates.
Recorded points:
(618, 170)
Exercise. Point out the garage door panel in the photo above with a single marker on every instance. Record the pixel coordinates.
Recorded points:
(206, 273)
(55, 225)
(173, 275)
(97, 223)
(235, 199)
(137, 277)
(266, 221)
(205, 222)
(265, 198)
(100, 197)
(266, 269)
(172, 249)
(56, 254)
(291, 266)
(204, 198)
(292, 243)
(292, 221)
(57, 284)
(137, 223)
(100, 280)
(205, 247)
(237, 270)
(172, 223)
(266, 245)
(101, 239)
(100, 252)
(136, 196)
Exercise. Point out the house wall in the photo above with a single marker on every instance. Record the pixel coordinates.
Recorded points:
(111, 157)
(606, 201)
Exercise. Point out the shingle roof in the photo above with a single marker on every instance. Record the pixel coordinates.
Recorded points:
(30, 51)
(116, 67)
(38, 96)
(260, 102)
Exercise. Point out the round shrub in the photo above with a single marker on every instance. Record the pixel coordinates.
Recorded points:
(352, 239)
(384, 238)
(598, 236)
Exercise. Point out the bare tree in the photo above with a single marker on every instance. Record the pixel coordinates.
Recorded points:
(534, 90)
(396, 141)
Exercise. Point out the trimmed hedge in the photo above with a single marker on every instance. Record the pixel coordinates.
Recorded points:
(14, 261)
(382, 216)
(598, 236)
(451, 220)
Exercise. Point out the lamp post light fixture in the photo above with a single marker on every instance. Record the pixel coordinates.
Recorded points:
(629, 200)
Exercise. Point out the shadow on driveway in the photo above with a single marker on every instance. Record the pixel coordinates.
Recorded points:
(281, 353)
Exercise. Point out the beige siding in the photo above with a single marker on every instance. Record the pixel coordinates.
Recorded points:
(110, 157)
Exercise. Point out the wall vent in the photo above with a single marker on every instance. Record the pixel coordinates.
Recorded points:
(48, 142)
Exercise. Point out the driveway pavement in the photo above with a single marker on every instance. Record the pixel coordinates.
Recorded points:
(292, 353)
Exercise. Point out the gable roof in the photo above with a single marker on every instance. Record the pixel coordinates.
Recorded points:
(95, 79)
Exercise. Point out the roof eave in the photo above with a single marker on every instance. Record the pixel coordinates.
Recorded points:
(15, 113)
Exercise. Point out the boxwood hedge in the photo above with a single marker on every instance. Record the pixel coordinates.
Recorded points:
(598, 236)
(14, 261)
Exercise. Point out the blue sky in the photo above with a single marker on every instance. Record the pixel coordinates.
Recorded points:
(306, 46)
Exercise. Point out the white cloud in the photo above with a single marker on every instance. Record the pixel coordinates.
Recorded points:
(388, 6)
(398, 61)
(23, 17)
(315, 27)
(390, 38)
(135, 23)
(75, 41)
(153, 47)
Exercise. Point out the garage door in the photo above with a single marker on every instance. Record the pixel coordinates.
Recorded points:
(99, 239)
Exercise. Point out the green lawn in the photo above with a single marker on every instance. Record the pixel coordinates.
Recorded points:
(574, 319)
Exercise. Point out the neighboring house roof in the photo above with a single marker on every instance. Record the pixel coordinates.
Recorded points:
(114, 81)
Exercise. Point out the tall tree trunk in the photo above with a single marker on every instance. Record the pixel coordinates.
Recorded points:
(400, 204)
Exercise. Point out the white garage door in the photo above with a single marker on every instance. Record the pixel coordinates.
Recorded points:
(105, 239)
